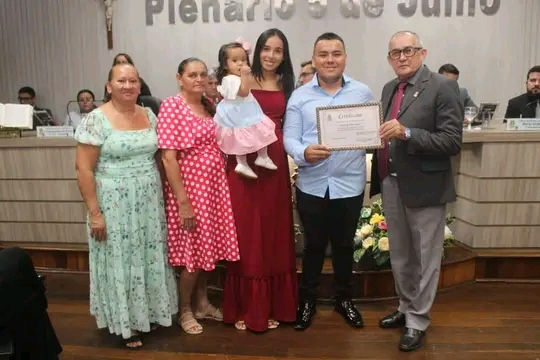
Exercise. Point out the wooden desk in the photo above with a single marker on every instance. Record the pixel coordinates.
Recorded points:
(39, 196)
(498, 187)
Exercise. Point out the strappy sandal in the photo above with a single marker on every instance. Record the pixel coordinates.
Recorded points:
(191, 327)
(273, 324)
(211, 313)
(136, 338)
(240, 325)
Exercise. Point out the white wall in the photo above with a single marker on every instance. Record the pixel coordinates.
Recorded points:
(59, 46)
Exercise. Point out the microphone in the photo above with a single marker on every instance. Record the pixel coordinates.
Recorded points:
(68, 112)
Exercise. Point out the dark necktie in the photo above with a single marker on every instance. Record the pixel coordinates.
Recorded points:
(382, 154)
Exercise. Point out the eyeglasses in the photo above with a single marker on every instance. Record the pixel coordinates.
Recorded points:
(409, 51)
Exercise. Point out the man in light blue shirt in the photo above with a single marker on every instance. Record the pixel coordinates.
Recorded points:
(330, 185)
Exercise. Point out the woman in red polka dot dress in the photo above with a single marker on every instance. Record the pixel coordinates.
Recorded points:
(201, 229)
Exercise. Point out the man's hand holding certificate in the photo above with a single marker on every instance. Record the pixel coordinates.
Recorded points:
(350, 127)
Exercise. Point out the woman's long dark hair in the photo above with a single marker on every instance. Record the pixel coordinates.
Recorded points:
(128, 58)
(223, 55)
(207, 104)
(285, 69)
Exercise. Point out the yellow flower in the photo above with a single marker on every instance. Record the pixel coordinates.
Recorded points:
(375, 219)
(366, 230)
(384, 244)
(368, 242)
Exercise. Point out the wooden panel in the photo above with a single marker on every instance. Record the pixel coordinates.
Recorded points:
(496, 236)
(35, 142)
(509, 214)
(501, 160)
(69, 212)
(498, 190)
(43, 232)
(37, 163)
(505, 268)
(498, 134)
(39, 190)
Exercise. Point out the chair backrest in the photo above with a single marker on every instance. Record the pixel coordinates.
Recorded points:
(151, 102)
(6, 345)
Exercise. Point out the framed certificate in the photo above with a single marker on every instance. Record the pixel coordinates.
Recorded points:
(350, 127)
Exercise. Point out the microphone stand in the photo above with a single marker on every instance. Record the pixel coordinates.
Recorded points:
(68, 112)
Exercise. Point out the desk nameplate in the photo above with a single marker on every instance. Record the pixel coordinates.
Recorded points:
(521, 124)
(55, 131)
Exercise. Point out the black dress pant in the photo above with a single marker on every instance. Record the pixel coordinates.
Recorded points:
(324, 220)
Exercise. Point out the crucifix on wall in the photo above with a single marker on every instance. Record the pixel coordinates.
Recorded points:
(109, 22)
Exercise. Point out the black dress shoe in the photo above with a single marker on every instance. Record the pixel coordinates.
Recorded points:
(411, 339)
(350, 313)
(393, 321)
(304, 315)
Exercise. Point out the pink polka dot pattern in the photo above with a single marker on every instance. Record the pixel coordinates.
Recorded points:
(202, 170)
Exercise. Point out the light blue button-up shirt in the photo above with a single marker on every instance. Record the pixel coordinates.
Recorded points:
(343, 174)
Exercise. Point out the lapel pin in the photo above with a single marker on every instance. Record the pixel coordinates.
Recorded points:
(415, 94)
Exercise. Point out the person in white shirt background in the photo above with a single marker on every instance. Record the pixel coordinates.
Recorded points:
(85, 99)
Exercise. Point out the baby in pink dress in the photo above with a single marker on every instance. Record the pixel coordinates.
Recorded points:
(242, 127)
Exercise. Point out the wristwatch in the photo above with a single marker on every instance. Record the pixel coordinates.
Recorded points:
(407, 133)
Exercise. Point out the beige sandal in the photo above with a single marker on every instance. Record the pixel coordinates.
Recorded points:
(240, 325)
(190, 326)
(211, 313)
(273, 324)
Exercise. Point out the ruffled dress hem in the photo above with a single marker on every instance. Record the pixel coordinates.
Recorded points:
(246, 140)
(255, 300)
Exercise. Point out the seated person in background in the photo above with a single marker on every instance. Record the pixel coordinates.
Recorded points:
(307, 71)
(23, 308)
(526, 105)
(123, 58)
(27, 95)
(452, 72)
(211, 92)
(85, 98)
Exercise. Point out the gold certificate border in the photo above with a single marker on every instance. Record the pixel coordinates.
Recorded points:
(367, 104)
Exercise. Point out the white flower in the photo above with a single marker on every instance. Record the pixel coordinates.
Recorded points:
(448, 233)
(368, 242)
(384, 244)
(366, 230)
(358, 237)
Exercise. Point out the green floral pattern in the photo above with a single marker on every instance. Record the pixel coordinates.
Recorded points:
(131, 284)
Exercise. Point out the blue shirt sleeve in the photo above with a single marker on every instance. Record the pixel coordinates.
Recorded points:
(292, 132)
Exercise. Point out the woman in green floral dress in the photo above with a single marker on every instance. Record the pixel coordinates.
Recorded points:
(132, 288)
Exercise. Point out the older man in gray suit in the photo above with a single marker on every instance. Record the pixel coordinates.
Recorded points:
(422, 130)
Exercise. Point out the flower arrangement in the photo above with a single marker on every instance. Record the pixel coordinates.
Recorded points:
(371, 238)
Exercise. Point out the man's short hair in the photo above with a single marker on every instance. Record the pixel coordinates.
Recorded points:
(306, 63)
(449, 68)
(534, 69)
(27, 90)
(329, 36)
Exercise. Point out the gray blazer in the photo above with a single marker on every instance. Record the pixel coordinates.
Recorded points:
(432, 109)
(466, 98)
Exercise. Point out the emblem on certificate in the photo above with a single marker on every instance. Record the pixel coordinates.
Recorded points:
(350, 127)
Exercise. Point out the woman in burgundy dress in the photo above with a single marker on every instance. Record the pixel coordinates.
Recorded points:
(261, 289)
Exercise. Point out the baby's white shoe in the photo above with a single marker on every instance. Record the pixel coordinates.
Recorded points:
(244, 170)
(265, 162)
